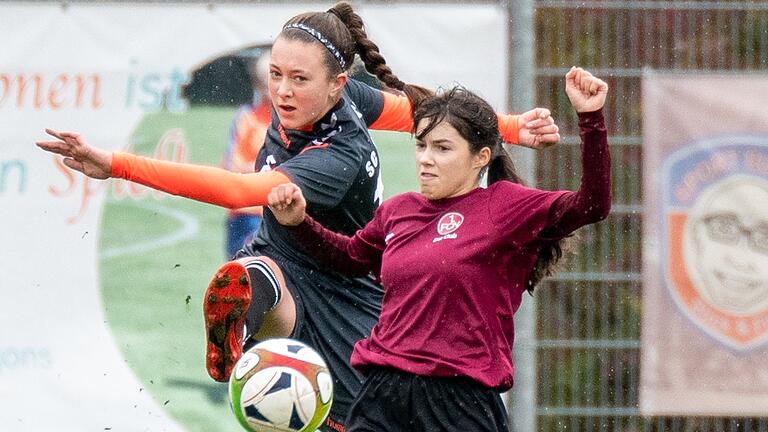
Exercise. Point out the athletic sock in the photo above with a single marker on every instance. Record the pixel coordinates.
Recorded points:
(265, 290)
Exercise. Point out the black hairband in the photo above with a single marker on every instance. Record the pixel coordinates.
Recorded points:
(319, 36)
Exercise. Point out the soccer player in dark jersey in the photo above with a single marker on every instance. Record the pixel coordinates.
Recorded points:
(454, 262)
(319, 140)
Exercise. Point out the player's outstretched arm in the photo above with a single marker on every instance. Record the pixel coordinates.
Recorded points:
(534, 129)
(78, 154)
(207, 184)
(592, 202)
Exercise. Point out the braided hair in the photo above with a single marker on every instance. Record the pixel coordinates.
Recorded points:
(342, 32)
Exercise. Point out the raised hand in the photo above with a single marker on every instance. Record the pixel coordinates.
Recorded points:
(287, 204)
(78, 154)
(586, 92)
(537, 129)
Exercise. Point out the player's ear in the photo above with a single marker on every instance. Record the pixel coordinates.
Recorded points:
(338, 83)
(482, 158)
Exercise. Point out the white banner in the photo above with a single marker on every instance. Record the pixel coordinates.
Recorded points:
(99, 69)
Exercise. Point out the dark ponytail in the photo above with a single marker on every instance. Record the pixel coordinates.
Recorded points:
(475, 120)
(501, 166)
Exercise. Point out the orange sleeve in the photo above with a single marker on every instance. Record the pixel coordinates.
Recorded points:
(201, 183)
(396, 114)
(509, 129)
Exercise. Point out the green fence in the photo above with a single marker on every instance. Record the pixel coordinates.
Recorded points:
(588, 316)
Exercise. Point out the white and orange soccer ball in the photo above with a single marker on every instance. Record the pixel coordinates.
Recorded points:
(281, 385)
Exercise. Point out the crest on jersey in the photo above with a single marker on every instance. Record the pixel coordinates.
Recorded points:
(449, 223)
(715, 237)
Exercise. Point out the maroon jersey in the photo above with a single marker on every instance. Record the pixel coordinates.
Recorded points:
(454, 270)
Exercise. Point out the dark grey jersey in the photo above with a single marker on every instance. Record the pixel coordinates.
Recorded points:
(336, 165)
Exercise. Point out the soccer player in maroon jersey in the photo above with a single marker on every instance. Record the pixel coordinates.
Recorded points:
(454, 262)
(318, 139)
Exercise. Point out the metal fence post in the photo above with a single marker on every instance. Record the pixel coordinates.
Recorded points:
(521, 97)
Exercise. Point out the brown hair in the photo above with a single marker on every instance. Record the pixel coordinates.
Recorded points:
(475, 120)
(345, 31)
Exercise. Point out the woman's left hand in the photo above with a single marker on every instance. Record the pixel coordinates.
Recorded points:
(287, 204)
(586, 91)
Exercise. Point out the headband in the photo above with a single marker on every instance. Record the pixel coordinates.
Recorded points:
(320, 38)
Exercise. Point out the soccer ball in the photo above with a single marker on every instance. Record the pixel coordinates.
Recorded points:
(280, 385)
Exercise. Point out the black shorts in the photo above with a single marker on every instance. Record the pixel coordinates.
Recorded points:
(392, 401)
(332, 313)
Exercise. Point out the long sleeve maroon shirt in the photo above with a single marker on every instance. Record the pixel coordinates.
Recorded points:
(454, 270)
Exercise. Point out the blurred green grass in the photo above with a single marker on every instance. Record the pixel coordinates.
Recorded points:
(152, 296)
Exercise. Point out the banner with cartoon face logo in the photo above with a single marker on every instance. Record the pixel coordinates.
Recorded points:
(705, 308)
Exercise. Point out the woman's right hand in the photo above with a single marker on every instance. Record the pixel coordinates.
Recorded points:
(78, 154)
(537, 129)
(287, 204)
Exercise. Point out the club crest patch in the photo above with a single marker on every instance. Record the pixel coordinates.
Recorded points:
(714, 215)
(449, 223)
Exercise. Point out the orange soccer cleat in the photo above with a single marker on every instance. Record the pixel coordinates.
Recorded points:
(225, 306)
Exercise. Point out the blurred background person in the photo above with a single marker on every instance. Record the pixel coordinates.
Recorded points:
(246, 138)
